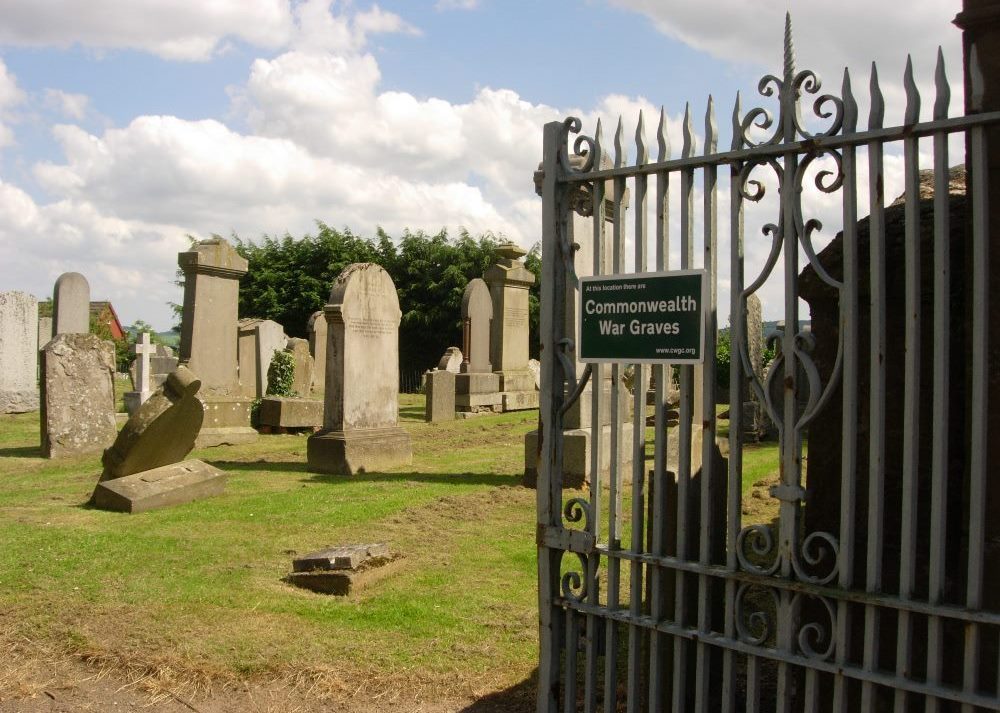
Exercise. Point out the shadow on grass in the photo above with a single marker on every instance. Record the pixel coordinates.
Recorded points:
(519, 698)
(412, 413)
(270, 466)
(21, 452)
(439, 478)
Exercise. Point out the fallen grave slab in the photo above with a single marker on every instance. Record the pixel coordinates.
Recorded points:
(343, 570)
(167, 485)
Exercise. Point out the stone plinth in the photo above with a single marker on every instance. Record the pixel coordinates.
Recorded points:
(478, 392)
(361, 404)
(71, 304)
(576, 456)
(18, 352)
(440, 392)
(212, 270)
(286, 412)
(77, 400)
(168, 485)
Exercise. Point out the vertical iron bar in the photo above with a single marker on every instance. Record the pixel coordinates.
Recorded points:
(849, 407)
(876, 450)
(572, 644)
(703, 672)
(911, 395)
(615, 471)
(737, 391)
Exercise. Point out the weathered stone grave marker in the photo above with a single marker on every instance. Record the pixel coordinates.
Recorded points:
(477, 388)
(361, 429)
(18, 352)
(143, 350)
(145, 468)
(71, 304)
(317, 347)
(259, 339)
(343, 570)
(509, 281)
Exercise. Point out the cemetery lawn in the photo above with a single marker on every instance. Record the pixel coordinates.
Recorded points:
(185, 608)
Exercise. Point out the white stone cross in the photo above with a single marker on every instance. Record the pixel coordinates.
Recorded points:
(143, 349)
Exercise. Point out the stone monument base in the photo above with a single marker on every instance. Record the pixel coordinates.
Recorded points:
(285, 412)
(19, 401)
(519, 400)
(160, 487)
(227, 422)
(576, 456)
(358, 451)
(134, 399)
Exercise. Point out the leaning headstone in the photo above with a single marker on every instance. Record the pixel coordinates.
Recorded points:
(451, 360)
(317, 347)
(509, 281)
(302, 374)
(71, 304)
(143, 350)
(477, 388)
(78, 398)
(361, 429)
(212, 270)
(343, 570)
(45, 332)
(145, 468)
(18, 352)
(440, 396)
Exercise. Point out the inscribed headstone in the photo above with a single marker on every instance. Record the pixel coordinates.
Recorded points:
(212, 270)
(18, 352)
(71, 304)
(77, 400)
(361, 429)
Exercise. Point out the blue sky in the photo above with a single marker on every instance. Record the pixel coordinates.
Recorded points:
(126, 126)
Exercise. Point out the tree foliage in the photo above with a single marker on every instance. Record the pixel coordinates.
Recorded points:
(290, 278)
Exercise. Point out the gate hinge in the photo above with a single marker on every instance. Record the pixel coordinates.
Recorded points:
(560, 538)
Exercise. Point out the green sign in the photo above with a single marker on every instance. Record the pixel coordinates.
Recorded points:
(642, 318)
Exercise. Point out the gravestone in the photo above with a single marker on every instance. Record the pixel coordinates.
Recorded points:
(259, 339)
(212, 270)
(317, 347)
(755, 419)
(71, 304)
(477, 388)
(451, 360)
(78, 398)
(361, 429)
(439, 391)
(302, 378)
(143, 350)
(145, 468)
(343, 570)
(509, 281)
(18, 352)
(45, 332)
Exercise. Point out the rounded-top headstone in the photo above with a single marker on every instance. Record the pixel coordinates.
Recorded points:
(71, 304)
(451, 360)
(477, 314)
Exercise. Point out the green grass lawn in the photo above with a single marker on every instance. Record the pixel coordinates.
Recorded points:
(197, 589)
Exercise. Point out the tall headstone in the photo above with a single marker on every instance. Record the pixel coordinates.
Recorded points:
(361, 429)
(71, 304)
(755, 419)
(509, 281)
(18, 352)
(212, 271)
(439, 391)
(143, 349)
(317, 347)
(302, 374)
(78, 397)
(477, 388)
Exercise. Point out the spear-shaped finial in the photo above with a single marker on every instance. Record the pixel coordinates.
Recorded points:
(943, 98)
(641, 148)
(789, 52)
(662, 139)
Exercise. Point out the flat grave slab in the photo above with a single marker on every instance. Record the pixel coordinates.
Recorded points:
(160, 487)
(345, 569)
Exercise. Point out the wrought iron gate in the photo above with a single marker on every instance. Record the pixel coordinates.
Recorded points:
(867, 593)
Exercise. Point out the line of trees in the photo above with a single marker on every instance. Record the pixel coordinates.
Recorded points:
(290, 278)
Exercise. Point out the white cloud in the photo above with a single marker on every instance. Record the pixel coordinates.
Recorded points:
(71, 106)
(443, 5)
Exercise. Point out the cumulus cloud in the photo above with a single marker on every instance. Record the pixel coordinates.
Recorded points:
(71, 106)
(443, 5)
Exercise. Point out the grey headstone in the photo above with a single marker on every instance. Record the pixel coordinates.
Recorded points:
(317, 347)
(361, 403)
(71, 304)
(302, 379)
(18, 352)
(45, 332)
(77, 400)
(440, 396)
(451, 360)
(477, 316)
